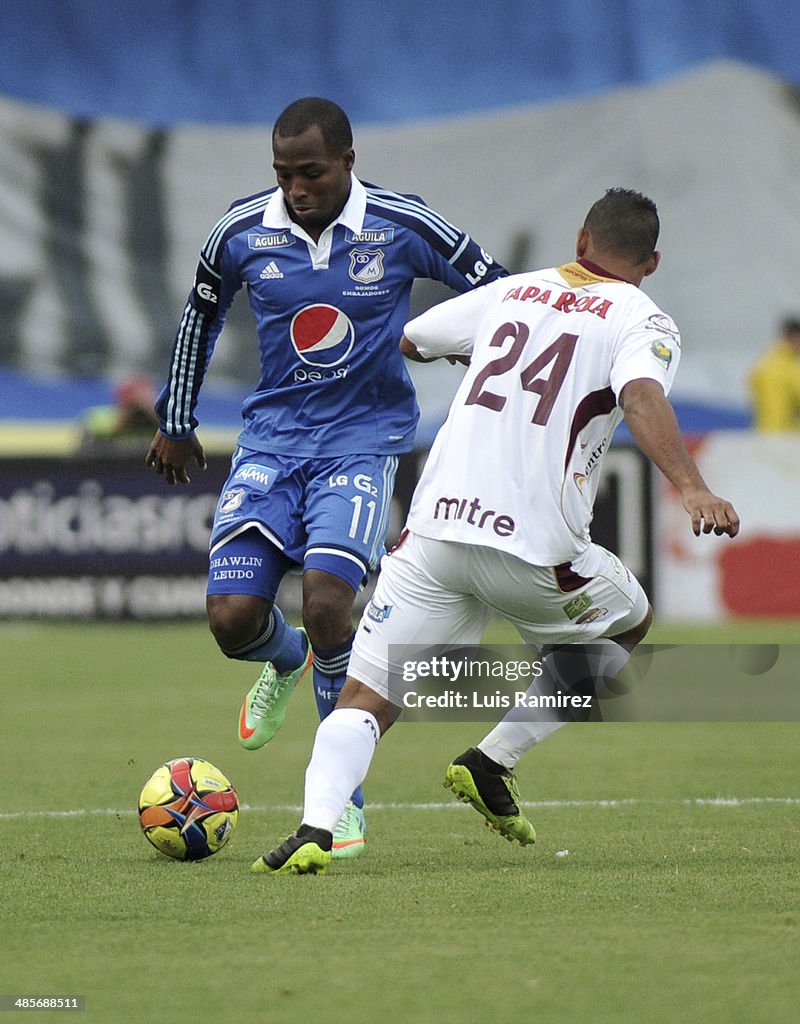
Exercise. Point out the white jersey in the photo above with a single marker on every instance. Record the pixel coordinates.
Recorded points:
(516, 465)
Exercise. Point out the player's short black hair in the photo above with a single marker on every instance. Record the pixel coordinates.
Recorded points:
(624, 223)
(791, 325)
(303, 114)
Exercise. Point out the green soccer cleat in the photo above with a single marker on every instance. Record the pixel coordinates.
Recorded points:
(306, 852)
(494, 794)
(350, 834)
(264, 707)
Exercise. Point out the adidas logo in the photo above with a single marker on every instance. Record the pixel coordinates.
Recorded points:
(271, 270)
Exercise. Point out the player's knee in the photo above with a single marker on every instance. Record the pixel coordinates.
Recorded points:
(358, 695)
(327, 609)
(235, 620)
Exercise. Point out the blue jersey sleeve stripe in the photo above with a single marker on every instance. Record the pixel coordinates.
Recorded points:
(415, 215)
(240, 208)
(464, 243)
(417, 218)
(191, 344)
(240, 216)
(239, 211)
(229, 225)
(169, 414)
(187, 371)
(195, 370)
(413, 205)
(177, 385)
(209, 268)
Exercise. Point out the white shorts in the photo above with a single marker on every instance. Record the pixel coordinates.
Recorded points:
(439, 593)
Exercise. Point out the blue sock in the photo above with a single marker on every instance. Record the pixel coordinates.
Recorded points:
(330, 672)
(279, 643)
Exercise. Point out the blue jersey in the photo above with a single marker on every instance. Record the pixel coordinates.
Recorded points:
(329, 317)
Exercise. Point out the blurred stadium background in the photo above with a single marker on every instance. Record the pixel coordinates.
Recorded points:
(126, 129)
(664, 884)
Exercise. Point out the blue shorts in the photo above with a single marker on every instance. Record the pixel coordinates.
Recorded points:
(329, 514)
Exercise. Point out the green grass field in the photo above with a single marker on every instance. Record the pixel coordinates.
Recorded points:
(664, 886)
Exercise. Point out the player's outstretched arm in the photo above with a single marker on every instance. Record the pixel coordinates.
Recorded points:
(168, 456)
(410, 351)
(651, 419)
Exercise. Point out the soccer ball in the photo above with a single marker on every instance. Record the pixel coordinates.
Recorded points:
(188, 809)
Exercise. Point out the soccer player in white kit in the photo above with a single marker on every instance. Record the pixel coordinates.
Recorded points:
(500, 517)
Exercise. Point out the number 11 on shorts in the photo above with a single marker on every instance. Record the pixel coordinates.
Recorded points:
(355, 520)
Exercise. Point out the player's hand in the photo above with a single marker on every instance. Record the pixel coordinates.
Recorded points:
(168, 456)
(455, 360)
(710, 513)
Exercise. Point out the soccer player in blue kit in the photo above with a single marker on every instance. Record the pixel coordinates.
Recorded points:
(328, 263)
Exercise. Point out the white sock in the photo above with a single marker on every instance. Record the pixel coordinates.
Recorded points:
(340, 760)
(508, 741)
(513, 736)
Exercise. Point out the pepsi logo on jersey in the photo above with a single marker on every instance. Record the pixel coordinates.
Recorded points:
(302, 376)
(322, 335)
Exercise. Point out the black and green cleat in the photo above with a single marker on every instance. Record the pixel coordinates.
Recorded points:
(306, 852)
(492, 791)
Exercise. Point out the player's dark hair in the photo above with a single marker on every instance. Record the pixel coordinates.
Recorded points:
(303, 114)
(624, 223)
(790, 325)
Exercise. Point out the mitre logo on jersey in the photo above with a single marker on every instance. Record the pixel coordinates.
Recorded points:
(663, 324)
(595, 456)
(366, 265)
(322, 335)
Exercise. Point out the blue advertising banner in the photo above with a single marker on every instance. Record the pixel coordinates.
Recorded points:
(103, 538)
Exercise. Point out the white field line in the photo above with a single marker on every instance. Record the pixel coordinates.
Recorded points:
(717, 801)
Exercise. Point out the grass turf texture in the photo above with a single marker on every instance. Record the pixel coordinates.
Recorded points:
(664, 909)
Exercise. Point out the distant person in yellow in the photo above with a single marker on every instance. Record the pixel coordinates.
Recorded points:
(775, 382)
(131, 419)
